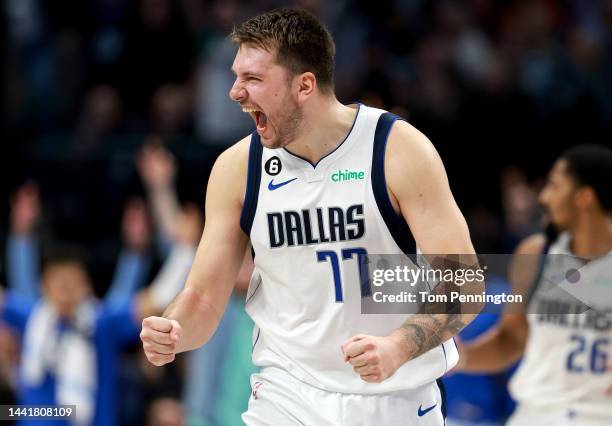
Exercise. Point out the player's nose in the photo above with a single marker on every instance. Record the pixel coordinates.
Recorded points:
(237, 92)
(543, 197)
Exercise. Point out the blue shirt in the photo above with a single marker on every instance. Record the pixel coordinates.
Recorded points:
(480, 397)
(114, 328)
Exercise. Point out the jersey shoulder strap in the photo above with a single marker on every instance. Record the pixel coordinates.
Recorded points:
(249, 205)
(395, 223)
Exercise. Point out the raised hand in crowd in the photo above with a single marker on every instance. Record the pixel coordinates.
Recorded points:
(135, 226)
(156, 165)
(157, 170)
(25, 209)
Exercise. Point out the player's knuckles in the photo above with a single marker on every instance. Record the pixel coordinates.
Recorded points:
(164, 339)
(146, 334)
(359, 370)
(148, 322)
(366, 369)
(358, 363)
(166, 349)
(352, 350)
(161, 339)
(152, 357)
(374, 359)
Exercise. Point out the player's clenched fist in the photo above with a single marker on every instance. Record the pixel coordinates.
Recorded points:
(373, 358)
(160, 337)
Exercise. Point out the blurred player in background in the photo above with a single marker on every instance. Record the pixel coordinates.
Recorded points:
(563, 378)
(315, 188)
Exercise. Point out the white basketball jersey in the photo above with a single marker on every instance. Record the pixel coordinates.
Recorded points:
(308, 225)
(570, 333)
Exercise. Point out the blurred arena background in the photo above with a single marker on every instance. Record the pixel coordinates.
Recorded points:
(100, 97)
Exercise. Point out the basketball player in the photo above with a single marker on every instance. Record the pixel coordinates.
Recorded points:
(316, 187)
(563, 378)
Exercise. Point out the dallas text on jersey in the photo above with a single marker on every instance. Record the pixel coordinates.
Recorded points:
(316, 226)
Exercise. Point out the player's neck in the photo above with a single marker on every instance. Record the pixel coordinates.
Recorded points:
(326, 125)
(592, 236)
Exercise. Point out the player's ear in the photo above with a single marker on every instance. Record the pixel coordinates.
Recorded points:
(586, 197)
(307, 82)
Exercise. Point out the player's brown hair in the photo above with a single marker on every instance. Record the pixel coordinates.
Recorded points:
(303, 44)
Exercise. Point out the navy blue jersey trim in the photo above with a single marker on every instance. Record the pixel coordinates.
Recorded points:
(538, 277)
(443, 408)
(250, 296)
(445, 359)
(314, 166)
(395, 223)
(253, 180)
(256, 340)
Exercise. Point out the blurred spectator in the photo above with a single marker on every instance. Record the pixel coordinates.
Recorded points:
(520, 208)
(171, 110)
(88, 334)
(9, 357)
(219, 120)
(100, 119)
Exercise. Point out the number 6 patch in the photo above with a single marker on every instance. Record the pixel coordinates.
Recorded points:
(273, 166)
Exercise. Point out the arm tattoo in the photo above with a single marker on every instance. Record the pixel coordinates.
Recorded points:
(423, 332)
(437, 322)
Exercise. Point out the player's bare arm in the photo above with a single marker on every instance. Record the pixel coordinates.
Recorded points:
(419, 191)
(193, 316)
(504, 345)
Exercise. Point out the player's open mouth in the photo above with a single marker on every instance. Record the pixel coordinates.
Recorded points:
(258, 116)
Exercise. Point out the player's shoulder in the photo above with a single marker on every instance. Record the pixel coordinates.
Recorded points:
(231, 168)
(410, 156)
(406, 143)
(533, 244)
(237, 155)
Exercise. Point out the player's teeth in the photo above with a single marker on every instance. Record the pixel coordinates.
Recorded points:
(249, 110)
